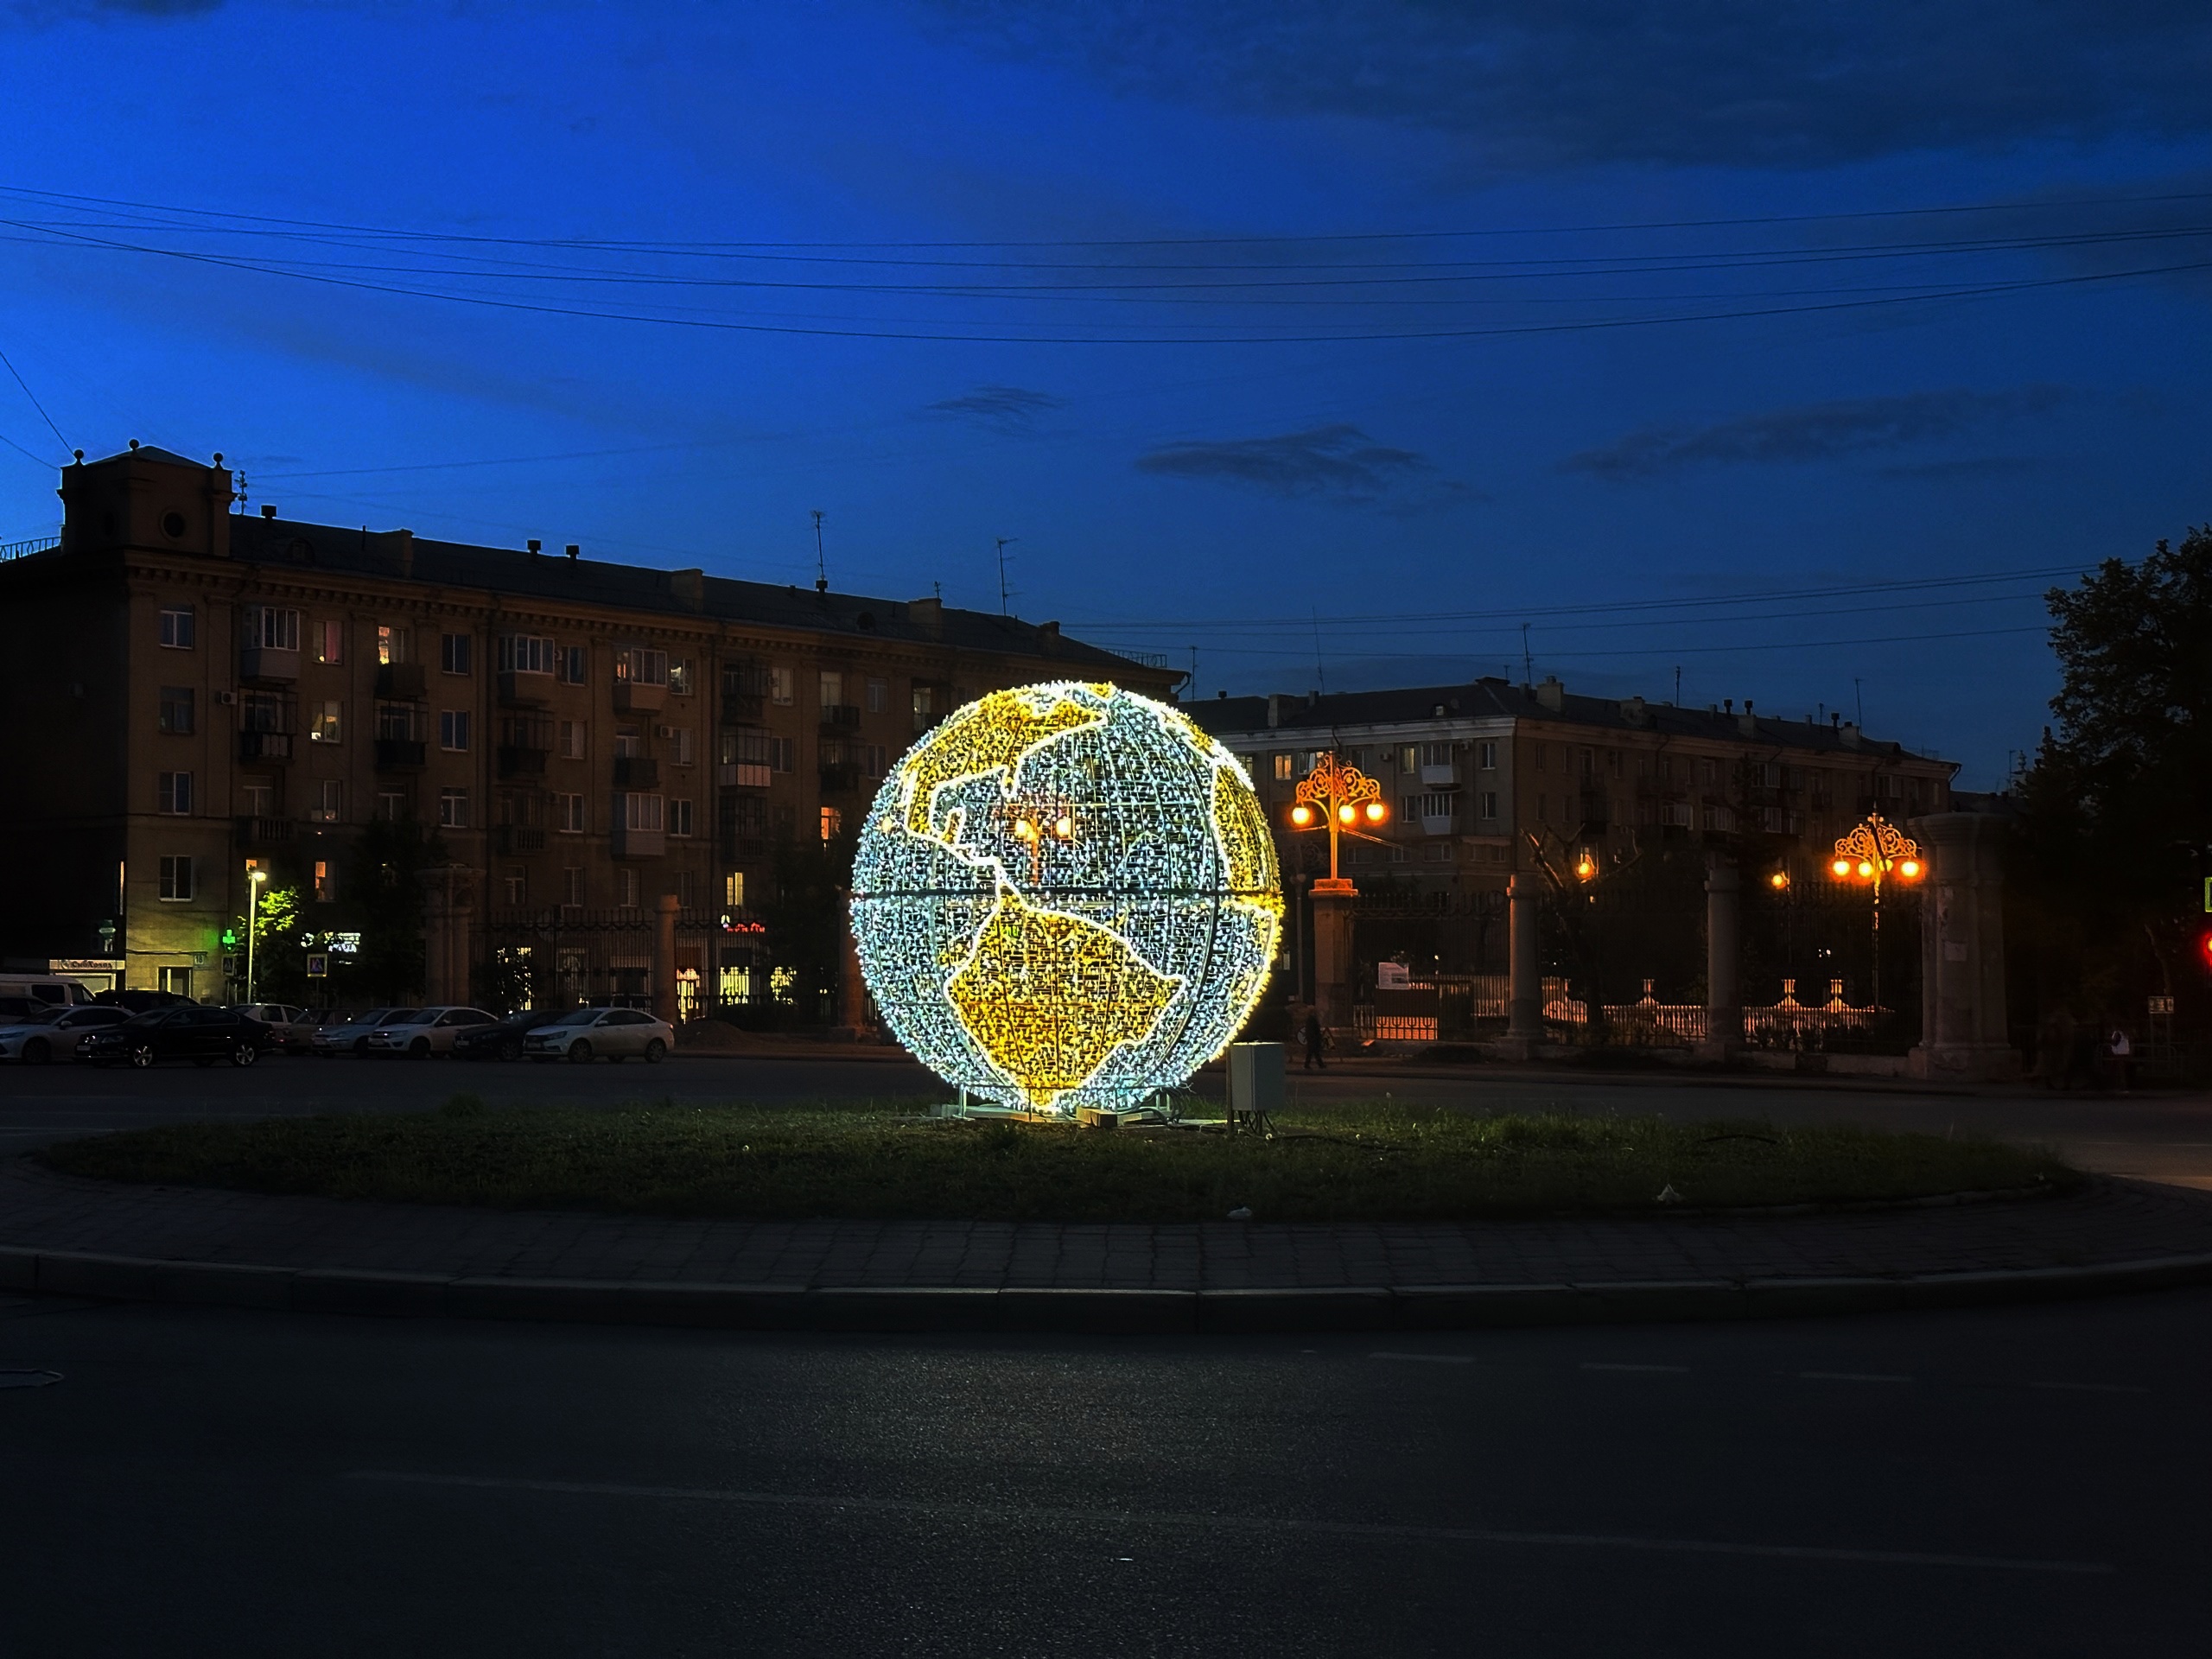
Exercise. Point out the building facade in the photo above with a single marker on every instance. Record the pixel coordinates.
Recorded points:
(195, 694)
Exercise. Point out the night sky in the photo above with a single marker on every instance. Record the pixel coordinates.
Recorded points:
(1335, 341)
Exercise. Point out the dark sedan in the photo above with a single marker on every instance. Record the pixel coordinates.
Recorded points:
(200, 1035)
(502, 1042)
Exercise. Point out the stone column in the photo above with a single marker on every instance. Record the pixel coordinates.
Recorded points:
(665, 957)
(1334, 898)
(1724, 1001)
(1525, 1008)
(1962, 1029)
(448, 917)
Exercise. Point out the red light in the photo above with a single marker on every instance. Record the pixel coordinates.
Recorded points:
(2204, 946)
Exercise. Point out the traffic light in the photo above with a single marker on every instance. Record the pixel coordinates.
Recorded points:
(2204, 945)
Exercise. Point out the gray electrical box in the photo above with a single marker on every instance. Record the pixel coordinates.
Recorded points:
(1255, 1077)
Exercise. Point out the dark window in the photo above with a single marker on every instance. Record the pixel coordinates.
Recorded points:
(576, 663)
(173, 792)
(176, 709)
(176, 876)
(176, 627)
(457, 653)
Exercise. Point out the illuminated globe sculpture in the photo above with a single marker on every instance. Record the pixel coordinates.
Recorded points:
(1065, 896)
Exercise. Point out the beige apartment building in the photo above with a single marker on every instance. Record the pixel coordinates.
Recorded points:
(193, 692)
(1479, 775)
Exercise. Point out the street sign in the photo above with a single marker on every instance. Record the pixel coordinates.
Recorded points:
(2208, 895)
(2162, 1005)
(318, 967)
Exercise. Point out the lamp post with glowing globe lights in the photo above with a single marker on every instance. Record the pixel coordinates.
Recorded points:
(1339, 798)
(1874, 850)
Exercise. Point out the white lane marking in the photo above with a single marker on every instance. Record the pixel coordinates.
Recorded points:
(1617, 1365)
(1425, 1359)
(1251, 1523)
(2093, 1387)
(1850, 1377)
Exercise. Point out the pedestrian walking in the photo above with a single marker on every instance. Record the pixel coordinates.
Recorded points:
(1315, 1038)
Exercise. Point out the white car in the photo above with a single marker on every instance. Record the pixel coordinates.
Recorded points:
(40, 1038)
(425, 1031)
(591, 1034)
(294, 1028)
(350, 1036)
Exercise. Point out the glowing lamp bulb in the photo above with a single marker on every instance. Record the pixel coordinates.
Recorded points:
(1864, 869)
(1024, 831)
(1064, 827)
(1841, 866)
(1301, 815)
(1347, 814)
(1375, 811)
(1778, 880)
(1585, 869)
(1910, 869)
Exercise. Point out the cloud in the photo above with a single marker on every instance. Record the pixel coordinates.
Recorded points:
(1812, 432)
(1338, 460)
(1540, 83)
(1008, 407)
(1970, 468)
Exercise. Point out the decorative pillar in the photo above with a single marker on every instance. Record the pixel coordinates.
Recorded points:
(1724, 1001)
(1962, 1029)
(664, 958)
(448, 916)
(1334, 898)
(1525, 1010)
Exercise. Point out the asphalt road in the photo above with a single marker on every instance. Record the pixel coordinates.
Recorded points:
(2161, 1137)
(2014, 1482)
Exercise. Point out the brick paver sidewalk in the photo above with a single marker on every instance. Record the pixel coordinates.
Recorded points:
(2112, 1221)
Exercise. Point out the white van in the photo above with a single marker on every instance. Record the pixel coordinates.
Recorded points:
(58, 989)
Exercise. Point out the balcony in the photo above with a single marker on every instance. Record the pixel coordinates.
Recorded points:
(1597, 809)
(741, 848)
(841, 777)
(519, 689)
(264, 746)
(637, 772)
(521, 761)
(839, 718)
(742, 774)
(265, 832)
(639, 697)
(743, 708)
(1444, 777)
(512, 840)
(639, 843)
(400, 681)
(400, 753)
(265, 666)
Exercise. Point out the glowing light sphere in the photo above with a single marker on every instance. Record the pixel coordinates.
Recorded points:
(1090, 965)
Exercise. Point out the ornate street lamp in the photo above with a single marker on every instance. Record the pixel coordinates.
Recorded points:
(1875, 850)
(253, 880)
(1341, 796)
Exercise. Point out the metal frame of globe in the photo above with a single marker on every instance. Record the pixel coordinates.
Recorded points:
(1100, 957)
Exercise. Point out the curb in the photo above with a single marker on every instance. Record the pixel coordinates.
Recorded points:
(1099, 1312)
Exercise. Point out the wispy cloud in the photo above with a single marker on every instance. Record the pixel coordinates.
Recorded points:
(1970, 467)
(1811, 432)
(1338, 460)
(1007, 408)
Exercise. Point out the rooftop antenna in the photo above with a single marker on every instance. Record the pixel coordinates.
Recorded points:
(1528, 663)
(1678, 685)
(1004, 542)
(1858, 703)
(821, 568)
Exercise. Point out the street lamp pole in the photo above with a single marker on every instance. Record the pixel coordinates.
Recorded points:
(1874, 848)
(253, 880)
(1339, 796)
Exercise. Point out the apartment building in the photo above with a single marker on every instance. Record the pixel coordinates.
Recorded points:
(194, 692)
(1480, 775)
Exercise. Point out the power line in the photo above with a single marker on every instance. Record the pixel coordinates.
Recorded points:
(35, 404)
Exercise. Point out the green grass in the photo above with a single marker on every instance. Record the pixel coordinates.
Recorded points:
(877, 1161)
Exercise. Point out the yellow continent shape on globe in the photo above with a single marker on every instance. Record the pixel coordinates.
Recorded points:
(990, 734)
(1047, 996)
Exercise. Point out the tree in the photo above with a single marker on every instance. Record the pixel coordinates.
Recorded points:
(806, 920)
(2120, 796)
(382, 889)
(280, 960)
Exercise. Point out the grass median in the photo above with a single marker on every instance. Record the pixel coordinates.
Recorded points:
(884, 1160)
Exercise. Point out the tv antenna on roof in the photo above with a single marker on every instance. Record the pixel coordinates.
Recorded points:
(1004, 542)
(821, 570)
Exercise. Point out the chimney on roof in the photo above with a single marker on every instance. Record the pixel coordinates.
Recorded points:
(1049, 633)
(689, 588)
(1274, 708)
(1849, 732)
(927, 614)
(534, 545)
(1552, 693)
(1747, 722)
(269, 509)
(1633, 711)
(397, 546)
(575, 551)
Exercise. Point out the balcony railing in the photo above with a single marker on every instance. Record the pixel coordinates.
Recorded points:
(840, 778)
(519, 761)
(263, 832)
(639, 697)
(741, 848)
(402, 682)
(510, 840)
(742, 774)
(519, 689)
(838, 717)
(637, 772)
(639, 843)
(400, 753)
(264, 746)
(268, 665)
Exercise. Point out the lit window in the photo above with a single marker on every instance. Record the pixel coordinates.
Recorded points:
(326, 722)
(392, 644)
(331, 798)
(641, 666)
(833, 823)
(325, 888)
(1283, 771)
(734, 890)
(176, 877)
(330, 642)
(177, 627)
(679, 678)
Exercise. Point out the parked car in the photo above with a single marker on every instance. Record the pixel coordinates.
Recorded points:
(56, 990)
(426, 1031)
(589, 1033)
(144, 1001)
(200, 1035)
(294, 1028)
(16, 1008)
(55, 1033)
(350, 1035)
(501, 1040)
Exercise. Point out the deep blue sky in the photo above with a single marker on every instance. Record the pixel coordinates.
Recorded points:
(1178, 469)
